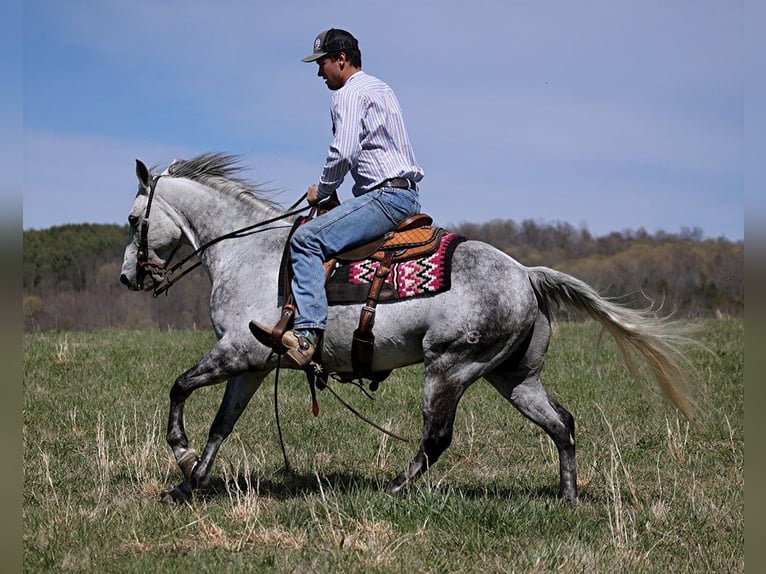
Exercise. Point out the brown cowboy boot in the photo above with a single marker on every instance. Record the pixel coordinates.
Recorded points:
(301, 345)
(265, 335)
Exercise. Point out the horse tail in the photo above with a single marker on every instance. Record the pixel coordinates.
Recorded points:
(662, 342)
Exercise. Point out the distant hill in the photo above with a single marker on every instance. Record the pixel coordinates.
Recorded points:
(71, 273)
(66, 254)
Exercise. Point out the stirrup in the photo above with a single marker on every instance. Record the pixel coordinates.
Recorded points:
(300, 345)
(272, 336)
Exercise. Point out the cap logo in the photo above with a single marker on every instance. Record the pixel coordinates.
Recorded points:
(317, 43)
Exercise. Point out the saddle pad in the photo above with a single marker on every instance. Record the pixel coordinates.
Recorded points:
(422, 277)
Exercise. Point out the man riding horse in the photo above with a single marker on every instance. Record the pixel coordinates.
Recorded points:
(369, 141)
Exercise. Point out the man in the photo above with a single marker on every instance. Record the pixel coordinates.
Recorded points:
(370, 142)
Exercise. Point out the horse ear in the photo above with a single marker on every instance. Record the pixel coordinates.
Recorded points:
(142, 173)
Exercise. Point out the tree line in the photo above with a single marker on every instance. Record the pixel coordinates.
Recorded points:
(71, 273)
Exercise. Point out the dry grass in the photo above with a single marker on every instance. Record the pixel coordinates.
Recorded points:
(656, 495)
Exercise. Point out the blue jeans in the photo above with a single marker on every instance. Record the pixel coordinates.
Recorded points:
(354, 222)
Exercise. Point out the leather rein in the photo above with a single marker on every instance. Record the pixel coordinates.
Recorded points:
(144, 265)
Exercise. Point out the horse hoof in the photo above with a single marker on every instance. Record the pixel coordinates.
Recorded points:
(187, 462)
(181, 494)
(396, 487)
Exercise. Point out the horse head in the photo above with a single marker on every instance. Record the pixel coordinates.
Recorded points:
(155, 235)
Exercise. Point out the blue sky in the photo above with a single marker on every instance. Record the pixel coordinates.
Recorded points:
(611, 115)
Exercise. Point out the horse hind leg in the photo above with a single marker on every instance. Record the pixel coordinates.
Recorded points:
(451, 368)
(532, 400)
(440, 400)
(518, 380)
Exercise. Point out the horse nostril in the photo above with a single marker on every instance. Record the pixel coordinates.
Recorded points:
(124, 279)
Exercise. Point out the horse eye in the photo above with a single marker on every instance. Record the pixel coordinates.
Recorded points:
(133, 220)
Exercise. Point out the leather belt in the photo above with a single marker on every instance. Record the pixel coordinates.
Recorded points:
(397, 182)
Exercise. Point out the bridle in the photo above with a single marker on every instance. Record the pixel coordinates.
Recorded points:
(144, 265)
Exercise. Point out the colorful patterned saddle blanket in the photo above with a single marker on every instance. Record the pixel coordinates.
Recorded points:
(414, 275)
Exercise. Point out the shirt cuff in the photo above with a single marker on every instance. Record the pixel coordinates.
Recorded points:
(324, 191)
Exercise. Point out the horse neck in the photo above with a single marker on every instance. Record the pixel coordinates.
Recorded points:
(205, 214)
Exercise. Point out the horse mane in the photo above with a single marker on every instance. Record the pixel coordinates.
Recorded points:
(220, 171)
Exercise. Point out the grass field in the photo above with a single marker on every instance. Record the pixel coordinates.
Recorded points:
(655, 494)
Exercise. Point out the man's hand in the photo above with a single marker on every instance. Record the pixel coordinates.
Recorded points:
(311, 195)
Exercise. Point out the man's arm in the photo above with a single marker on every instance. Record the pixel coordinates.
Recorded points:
(347, 111)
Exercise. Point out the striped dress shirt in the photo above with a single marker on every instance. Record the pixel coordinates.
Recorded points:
(369, 138)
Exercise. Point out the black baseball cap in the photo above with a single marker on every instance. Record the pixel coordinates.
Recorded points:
(331, 41)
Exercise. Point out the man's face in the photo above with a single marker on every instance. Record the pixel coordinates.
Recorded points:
(332, 71)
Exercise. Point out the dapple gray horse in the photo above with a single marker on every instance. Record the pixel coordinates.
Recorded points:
(493, 323)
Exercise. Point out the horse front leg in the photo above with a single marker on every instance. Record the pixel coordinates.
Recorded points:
(215, 367)
(239, 391)
(176, 437)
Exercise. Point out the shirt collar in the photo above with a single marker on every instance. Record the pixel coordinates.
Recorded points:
(358, 74)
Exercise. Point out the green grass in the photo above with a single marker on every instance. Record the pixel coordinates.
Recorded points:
(655, 495)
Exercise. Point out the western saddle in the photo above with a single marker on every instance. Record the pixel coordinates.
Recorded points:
(413, 238)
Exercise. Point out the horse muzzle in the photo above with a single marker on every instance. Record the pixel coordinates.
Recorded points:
(147, 276)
